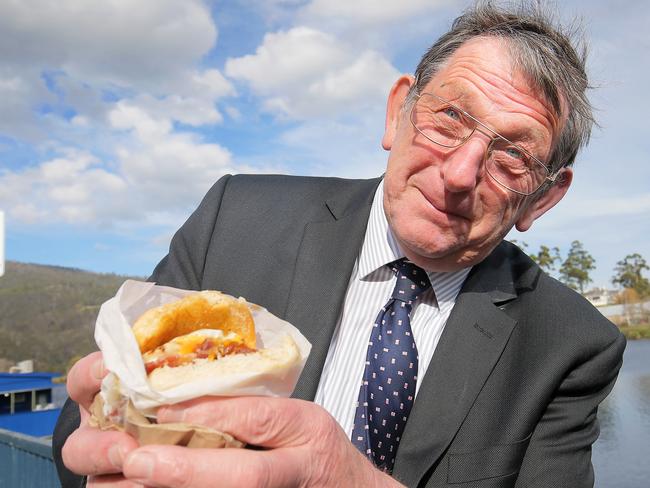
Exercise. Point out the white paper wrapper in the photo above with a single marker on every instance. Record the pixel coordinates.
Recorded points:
(122, 355)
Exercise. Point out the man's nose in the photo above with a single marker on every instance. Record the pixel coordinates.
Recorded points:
(463, 166)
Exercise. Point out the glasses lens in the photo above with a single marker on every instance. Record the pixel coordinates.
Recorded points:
(513, 168)
(440, 122)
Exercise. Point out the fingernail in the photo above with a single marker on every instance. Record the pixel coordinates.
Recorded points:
(139, 465)
(97, 369)
(116, 456)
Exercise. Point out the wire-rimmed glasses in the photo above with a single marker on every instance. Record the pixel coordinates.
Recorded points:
(509, 164)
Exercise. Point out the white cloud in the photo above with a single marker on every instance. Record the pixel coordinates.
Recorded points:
(366, 12)
(286, 60)
(119, 159)
(60, 57)
(170, 170)
(305, 73)
(195, 104)
(72, 188)
(157, 174)
(19, 93)
(107, 41)
(28, 213)
(367, 78)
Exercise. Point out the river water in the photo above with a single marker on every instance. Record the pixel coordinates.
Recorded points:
(621, 456)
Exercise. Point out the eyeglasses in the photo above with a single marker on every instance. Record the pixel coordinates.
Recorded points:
(510, 165)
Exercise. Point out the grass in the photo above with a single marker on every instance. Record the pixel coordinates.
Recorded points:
(632, 332)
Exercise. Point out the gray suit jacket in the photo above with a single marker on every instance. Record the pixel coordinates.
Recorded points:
(511, 394)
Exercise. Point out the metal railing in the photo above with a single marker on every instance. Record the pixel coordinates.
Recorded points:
(26, 462)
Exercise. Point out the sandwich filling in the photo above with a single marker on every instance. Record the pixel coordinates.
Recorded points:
(207, 344)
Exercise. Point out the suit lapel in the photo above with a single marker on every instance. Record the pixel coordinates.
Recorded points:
(471, 344)
(326, 257)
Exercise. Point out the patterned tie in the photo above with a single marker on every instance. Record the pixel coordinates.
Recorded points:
(388, 388)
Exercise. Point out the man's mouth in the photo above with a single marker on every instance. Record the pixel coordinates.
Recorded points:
(461, 211)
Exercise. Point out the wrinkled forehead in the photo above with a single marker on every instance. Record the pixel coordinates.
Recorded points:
(536, 74)
(488, 69)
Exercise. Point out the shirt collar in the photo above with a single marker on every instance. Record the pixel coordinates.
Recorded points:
(380, 248)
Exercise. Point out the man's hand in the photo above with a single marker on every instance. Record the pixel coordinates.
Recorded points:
(304, 447)
(89, 451)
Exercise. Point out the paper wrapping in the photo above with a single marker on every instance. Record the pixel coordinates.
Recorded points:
(123, 359)
(147, 432)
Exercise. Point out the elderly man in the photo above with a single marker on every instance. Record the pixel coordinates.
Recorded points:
(441, 354)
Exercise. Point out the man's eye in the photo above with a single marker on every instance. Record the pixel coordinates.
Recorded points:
(515, 153)
(451, 113)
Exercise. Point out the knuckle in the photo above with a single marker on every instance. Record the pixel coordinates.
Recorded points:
(325, 427)
(72, 381)
(292, 417)
(262, 421)
(77, 457)
(86, 453)
(80, 377)
(321, 457)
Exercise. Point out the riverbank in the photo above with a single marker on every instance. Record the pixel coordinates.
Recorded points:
(636, 331)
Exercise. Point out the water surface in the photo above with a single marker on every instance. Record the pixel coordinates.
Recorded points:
(621, 456)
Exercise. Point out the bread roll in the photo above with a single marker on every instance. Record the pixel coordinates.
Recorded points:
(202, 310)
(269, 360)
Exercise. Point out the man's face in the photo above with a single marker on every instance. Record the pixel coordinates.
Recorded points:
(445, 210)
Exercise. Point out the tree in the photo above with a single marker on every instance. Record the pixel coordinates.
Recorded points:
(547, 257)
(629, 274)
(632, 307)
(575, 269)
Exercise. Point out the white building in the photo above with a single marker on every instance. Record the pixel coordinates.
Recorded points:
(599, 297)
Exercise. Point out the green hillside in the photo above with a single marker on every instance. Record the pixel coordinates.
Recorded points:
(47, 313)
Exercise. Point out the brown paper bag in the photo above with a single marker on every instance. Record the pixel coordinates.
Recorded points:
(147, 432)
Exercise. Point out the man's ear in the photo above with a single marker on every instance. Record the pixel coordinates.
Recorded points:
(546, 202)
(394, 106)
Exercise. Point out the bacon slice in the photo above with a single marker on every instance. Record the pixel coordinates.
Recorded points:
(184, 351)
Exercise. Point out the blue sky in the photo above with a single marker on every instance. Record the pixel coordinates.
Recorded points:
(118, 116)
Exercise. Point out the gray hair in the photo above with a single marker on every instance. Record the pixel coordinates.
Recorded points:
(541, 50)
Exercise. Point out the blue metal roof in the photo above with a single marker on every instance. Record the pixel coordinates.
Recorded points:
(26, 381)
(38, 423)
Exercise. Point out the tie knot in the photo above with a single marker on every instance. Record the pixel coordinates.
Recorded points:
(412, 281)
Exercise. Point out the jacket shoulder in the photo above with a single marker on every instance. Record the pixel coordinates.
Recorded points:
(549, 301)
(276, 185)
(287, 195)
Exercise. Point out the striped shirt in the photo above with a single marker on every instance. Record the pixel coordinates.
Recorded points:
(370, 287)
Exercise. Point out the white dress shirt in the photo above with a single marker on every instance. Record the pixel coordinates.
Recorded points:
(370, 287)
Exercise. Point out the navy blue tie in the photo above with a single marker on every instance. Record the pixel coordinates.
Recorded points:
(388, 387)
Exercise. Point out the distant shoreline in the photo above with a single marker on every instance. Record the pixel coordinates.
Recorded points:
(635, 332)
